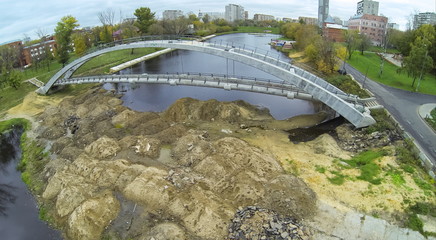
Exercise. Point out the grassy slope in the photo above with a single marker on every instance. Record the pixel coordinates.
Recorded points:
(390, 76)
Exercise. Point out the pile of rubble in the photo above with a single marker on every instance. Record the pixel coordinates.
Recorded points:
(257, 223)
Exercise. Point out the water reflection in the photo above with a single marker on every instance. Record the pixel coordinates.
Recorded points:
(18, 209)
(7, 198)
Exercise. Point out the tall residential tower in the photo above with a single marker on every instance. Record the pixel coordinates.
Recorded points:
(323, 12)
(367, 7)
(234, 13)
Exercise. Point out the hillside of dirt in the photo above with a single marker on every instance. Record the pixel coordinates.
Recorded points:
(205, 170)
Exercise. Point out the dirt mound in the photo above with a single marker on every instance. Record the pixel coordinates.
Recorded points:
(189, 109)
(193, 179)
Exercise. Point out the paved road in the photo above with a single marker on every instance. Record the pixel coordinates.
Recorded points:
(404, 105)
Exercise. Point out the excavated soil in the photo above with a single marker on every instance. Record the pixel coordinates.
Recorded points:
(199, 170)
(180, 174)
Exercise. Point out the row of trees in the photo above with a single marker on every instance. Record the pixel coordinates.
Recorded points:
(419, 48)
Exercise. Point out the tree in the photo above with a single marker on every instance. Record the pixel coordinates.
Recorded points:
(206, 19)
(8, 75)
(306, 35)
(144, 19)
(107, 19)
(63, 32)
(418, 61)
(363, 43)
(79, 44)
(178, 26)
(351, 41)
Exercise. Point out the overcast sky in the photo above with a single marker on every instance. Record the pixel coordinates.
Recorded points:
(20, 17)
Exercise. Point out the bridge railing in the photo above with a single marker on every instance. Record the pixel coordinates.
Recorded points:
(140, 39)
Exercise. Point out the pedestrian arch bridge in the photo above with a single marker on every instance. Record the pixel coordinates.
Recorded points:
(294, 82)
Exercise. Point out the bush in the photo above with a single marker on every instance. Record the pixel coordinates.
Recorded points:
(383, 122)
(346, 84)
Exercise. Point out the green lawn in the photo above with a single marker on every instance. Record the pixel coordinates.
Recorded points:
(390, 75)
(102, 64)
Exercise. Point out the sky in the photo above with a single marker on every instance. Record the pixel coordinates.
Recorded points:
(20, 18)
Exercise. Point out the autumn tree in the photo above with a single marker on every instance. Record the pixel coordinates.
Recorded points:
(352, 39)
(144, 19)
(63, 32)
(9, 75)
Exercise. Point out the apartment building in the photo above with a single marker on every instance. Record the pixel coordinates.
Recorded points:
(263, 17)
(373, 26)
(234, 13)
(424, 18)
(367, 7)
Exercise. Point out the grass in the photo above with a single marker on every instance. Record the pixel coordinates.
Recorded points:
(383, 122)
(390, 76)
(431, 120)
(9, 124)
(32, 163)
(365, 161)
(102, 64)
(346, 84)
(421, 208)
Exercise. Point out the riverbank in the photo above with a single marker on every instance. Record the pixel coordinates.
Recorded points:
(185, 145)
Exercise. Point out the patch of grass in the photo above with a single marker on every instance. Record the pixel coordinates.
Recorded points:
(369, 170)
(102, 64)
(383, 122)
(338, 179)
(424, 185)
(406, 154)
(9, 124)
(415, 223)
(431, 120)
(346, 84)
(396, 177)
(408, 168)
(293, 167)
(320, 169)
(391, 74)
(32, 164)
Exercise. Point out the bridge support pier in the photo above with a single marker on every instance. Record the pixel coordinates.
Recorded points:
(321, 107)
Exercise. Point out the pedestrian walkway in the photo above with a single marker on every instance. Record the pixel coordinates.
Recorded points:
(390, 58)
(424, 110)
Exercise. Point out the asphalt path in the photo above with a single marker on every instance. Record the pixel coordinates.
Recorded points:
(403, 105)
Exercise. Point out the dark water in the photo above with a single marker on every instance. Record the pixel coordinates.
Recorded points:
(154, 97)
(18, 209)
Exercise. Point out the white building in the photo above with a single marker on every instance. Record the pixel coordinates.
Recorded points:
(172, 14)
(323, 12)
(424, 18)
(234, 13)
(263, 17)
(212, 15)
(367, 7)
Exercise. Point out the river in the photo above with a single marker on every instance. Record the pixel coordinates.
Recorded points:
(18, 209)
(154, 97)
